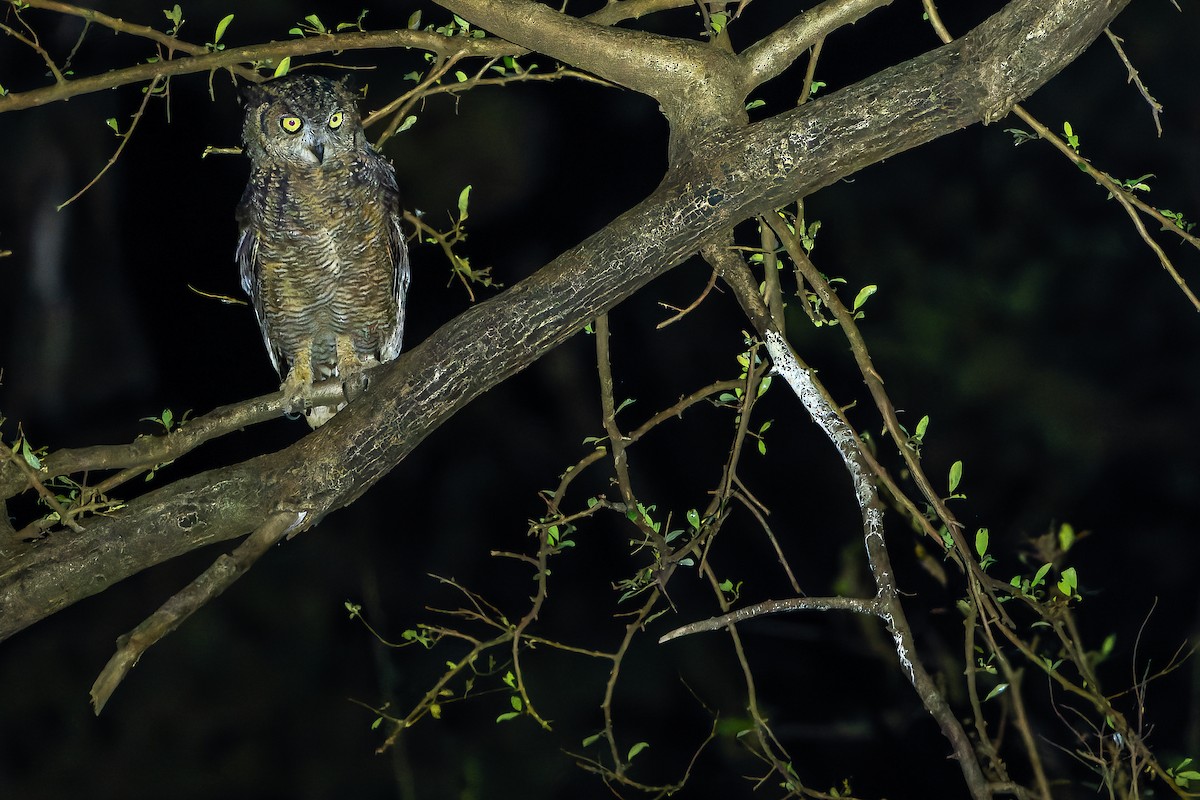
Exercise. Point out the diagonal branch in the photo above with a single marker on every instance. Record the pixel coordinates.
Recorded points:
(772, 54)
(214, 580)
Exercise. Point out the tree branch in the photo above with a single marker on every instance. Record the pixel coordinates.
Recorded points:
(771, 55)
(738, 176)
(214, 580)
(232, 57)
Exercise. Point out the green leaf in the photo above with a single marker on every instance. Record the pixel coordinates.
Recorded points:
(996, 692)
(285, 64)
(463, 197)
(221, 26)
(591, 740)
(414, 20)
(955, 475)
(1106, 648)
(460, 76)
(30, 457)
(981, 542)
(409, 121)
(315, 21)
(863, 294)
(922, 426)
(637, 748)
(112, 123)
(1068, 582)
(515, 702)
(1066, 537)
(693, 518)
(753, 104)
(505, 717)
(1040, 575)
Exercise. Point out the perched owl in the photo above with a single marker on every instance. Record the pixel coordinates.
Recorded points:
(321, 251)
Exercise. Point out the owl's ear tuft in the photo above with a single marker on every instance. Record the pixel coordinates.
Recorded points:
(252, 94)
(349, 83)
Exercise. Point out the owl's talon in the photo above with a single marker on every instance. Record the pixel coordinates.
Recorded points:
(354, 385)
(297, 406)
(297, 391)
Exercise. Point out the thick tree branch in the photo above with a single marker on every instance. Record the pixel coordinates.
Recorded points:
(773, 54)
(739, 175)
(699, 87)
(662, 67)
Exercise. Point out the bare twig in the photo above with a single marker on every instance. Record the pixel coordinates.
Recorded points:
(209, 584)
(1129, 202)
(1155, 106)
(147, 451)
(148, 92)
(857, 605)
(680, 313)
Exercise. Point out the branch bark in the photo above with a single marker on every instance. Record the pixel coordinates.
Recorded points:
(736, 175)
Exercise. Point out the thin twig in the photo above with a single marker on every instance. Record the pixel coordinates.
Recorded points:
(680, 313)
(208, 585)
(870, 606)
(1129, 202)
(35, 480)
(125, 137)
(1155, 106)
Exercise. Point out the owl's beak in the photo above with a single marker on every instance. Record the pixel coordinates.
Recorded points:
(312, 149)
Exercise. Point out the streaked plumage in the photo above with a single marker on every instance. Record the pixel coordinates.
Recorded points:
(321, 250)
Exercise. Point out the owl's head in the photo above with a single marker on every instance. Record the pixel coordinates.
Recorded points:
(304, 121)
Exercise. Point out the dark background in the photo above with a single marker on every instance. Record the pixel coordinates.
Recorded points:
(1017, 307)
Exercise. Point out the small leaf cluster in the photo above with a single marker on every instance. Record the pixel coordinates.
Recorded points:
(215, 45)
(312, 25)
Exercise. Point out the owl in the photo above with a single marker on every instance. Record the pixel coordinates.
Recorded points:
(321, 251)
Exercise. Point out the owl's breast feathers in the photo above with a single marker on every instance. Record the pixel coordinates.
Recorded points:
(322, 254)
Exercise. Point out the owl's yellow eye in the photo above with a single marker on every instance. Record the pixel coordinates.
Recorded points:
(335, 120)
(291, 124)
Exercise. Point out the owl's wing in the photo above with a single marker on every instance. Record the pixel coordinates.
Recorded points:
(397, 252)
(250, 220)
